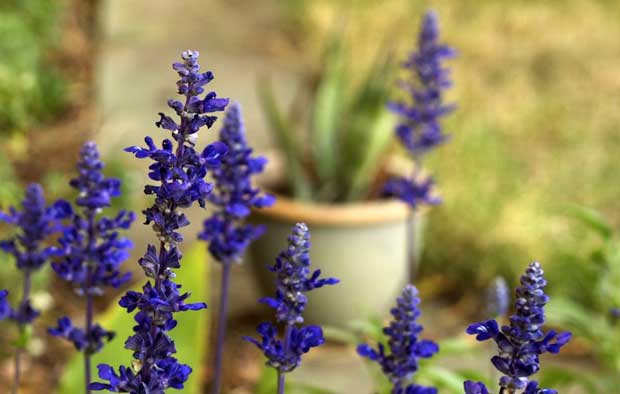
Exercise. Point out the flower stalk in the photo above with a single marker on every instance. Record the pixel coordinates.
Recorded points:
(226, 230)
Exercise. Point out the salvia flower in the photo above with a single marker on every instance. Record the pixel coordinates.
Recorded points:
(401, 362)
(420, 129)
(615, 313)
(497, 297)
(234, 195)
(92, 248)
(523, 341)
(293, 279)
(35, 223)
(179, 171)
(226, 231)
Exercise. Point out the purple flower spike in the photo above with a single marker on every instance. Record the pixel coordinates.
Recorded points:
(523, 341)
(405, 348)
(293, 279)
(420, 129)
(92, 251)
(178, 172)
(234, 195)
(34, 224)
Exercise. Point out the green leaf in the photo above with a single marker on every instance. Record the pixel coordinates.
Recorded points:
(24, 337)
(592, 219)
(285, 138)
(449, 381)
(327, 111)
(370, 129)
(190, 335)
(380, 132)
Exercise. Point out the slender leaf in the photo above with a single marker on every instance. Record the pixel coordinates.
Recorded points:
(592, 219)
(327, 111)
(283, 133)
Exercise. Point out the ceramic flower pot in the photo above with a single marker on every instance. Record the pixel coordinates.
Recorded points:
(362, 244)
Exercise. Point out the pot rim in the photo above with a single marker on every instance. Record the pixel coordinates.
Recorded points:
(336, 214)
(345, 214)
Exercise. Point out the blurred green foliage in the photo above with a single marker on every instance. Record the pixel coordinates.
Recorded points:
(190, 336)
(584, 301)
(31, 89)
(344, 125)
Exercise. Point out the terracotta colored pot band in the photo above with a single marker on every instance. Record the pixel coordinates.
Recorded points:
(337, 215)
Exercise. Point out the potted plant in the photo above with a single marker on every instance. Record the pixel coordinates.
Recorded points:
(334, 178)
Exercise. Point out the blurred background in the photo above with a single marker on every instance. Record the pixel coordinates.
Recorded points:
(530, 173)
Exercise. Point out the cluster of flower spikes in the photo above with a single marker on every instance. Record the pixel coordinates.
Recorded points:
(180, 173)
(234, 196)
(523, 341)
(91, 247)
(420, 129)
(35, 223)
(405, 347)
(293, 279)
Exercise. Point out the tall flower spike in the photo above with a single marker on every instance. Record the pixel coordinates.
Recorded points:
(523, 341)
(234, 195)
(420, 130)
(405, 348)
(226, 231)
(92, 251)
(179, 171)
(293, 279)
(34, 223)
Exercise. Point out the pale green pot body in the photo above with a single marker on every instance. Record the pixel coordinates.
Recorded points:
(369, 258)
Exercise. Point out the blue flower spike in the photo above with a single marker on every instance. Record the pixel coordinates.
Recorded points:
(34, 225)
(522, 342)
(226, 230)
(294, 278)
(400, 364)
(178, 172)
(420, 129)
(92, 251)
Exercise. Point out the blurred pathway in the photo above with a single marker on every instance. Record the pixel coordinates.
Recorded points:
(140, 39)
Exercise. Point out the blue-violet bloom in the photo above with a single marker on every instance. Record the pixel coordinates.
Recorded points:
(405, 347)
(92, 248)
(497, 298)
(234, 195)
(420, 129)
(293, 279)
(179, 171)
(35, 223)
(523, 341)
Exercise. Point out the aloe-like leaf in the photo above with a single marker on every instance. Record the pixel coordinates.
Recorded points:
(284, 136)
(327, 110)
(370, 129)
(190, 335)
(380, 134)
